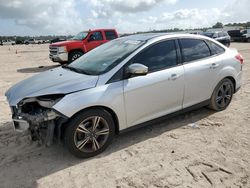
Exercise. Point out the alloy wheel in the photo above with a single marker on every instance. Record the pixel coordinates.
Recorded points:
(91, 134)
(75, 56)
(224, 95)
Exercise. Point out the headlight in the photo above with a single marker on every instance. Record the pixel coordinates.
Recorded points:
(62, 49)
(46, 101)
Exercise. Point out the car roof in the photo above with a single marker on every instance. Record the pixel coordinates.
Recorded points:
(100, 30)
(156, 36)
(145, 36)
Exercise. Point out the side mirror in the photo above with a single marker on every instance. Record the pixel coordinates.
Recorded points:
(137, 69)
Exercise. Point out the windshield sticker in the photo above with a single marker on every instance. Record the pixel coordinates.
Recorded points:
(135, 42)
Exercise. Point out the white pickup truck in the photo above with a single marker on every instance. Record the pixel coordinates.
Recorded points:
(7, 42)
(33, 41)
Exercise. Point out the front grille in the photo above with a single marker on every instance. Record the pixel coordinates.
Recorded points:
(53, 50)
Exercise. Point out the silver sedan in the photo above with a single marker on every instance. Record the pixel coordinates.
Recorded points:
(124, 83)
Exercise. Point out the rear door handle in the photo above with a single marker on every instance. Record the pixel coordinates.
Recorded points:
(214, 66)
(174, 77)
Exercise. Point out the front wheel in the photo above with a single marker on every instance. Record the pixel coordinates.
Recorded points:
(74, 55)
(89, 133)
(222, 95)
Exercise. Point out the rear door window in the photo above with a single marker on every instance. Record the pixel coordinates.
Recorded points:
(194, 49)
(110, 35)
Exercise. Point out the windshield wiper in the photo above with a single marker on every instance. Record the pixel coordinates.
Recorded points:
(75, 69)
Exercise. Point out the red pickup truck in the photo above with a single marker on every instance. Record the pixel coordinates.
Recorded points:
(68, 51)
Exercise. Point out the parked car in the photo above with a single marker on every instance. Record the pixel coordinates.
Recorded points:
(68, 51)
(124, 83)
(236, 35)
(220, 36)
(196, 32)
(240, 35)
(33, 41)
(7, 42)
(19, 41)
(246, 35)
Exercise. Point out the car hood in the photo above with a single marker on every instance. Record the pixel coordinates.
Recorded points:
(65, 43)
(54, 81)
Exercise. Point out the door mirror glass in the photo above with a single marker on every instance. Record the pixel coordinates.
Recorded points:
(137, 69)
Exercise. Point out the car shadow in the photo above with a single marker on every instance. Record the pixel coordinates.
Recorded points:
(43, 161)
(37, 69)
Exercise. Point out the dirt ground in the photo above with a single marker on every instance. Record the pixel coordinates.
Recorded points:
(197, 149)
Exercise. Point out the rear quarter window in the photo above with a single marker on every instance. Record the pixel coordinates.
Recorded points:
(194, 49)
(215, 48)
(110, 35)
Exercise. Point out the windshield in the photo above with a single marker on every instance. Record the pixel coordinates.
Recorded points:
(80, 36)
(208, 34)
(105, 57)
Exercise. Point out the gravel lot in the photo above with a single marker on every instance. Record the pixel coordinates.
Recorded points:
(174, 153)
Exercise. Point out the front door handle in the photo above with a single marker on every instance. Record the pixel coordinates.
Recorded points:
(214, 66)
(174, 76)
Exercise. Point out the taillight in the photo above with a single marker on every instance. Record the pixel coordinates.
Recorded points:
(239, 58)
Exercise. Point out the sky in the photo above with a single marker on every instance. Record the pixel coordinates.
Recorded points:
(68, 17)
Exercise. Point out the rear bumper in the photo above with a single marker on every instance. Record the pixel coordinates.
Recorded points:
(59, 57)
(238, 81)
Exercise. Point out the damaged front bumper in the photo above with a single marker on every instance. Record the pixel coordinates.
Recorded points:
(23, 121)
(37, 117)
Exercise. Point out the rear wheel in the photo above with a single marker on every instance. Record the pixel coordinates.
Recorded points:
(222, 95)
(89, 133)
(75, 55)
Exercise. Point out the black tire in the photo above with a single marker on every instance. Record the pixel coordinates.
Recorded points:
(222, 95)
(81, 137)
(248, 39)
(74, 55)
